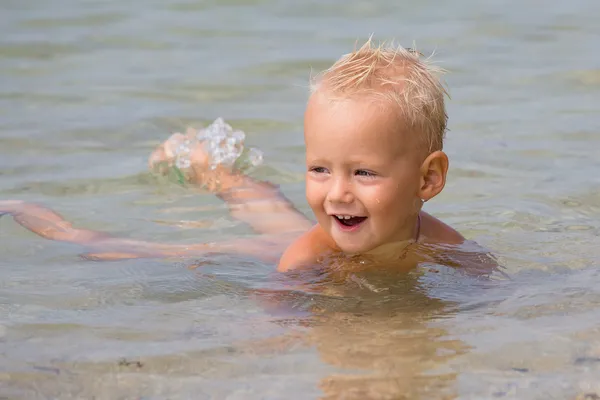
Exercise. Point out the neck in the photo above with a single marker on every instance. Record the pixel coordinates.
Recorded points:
(398, 249)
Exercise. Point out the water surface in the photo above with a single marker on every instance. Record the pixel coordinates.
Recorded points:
(88, 88)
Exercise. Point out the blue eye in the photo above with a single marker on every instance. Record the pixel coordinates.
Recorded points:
(318, 170)
(362, 172)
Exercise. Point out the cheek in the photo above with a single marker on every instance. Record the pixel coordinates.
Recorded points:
(389, 200)
(314, 195)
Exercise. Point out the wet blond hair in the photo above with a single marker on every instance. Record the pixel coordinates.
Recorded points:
(397, 75)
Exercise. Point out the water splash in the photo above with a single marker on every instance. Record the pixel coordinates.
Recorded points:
(223, 145)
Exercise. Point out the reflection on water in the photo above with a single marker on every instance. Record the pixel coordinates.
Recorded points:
(378, 333)
(87, 90)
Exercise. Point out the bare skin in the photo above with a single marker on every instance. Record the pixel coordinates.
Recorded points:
(286, 236)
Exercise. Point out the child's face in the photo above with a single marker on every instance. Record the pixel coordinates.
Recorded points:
(360, 164)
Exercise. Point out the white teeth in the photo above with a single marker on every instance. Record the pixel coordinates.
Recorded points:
(343, 216)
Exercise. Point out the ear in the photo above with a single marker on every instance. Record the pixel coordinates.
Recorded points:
(433, 175)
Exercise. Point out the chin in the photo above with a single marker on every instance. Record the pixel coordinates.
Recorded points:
(350, 248)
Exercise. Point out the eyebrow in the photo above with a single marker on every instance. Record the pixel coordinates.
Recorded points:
(316, 161)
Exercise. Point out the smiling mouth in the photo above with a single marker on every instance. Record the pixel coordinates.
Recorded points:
(349, 220)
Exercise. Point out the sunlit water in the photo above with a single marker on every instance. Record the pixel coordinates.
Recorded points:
(88, 88)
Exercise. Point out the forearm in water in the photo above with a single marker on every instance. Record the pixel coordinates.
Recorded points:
(259, 204)
(50, 225)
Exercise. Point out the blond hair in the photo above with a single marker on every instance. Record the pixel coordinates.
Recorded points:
(395, 74)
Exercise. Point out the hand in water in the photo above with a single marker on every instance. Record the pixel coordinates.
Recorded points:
(10, 206)
(218, 146)
(165, 155)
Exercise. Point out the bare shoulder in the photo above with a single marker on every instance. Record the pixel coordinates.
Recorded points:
(448, 247)
(434, 230)
(306, 249)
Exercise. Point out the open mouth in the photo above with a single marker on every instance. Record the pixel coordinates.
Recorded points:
(349, 221)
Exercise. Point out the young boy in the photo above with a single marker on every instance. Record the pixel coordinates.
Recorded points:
(374, 129)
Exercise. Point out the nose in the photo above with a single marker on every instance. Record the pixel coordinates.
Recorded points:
(340, 191)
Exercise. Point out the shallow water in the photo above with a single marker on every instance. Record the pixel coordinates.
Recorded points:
(88, 88)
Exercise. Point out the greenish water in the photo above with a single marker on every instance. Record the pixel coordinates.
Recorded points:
(88, 88)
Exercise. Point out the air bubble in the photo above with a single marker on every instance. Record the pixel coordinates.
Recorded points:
(223, 146)
(255, 156)
(183, 163)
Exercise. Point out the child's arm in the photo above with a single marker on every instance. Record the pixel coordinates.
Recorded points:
(307, 250)
(259, 204)
(50, 225)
